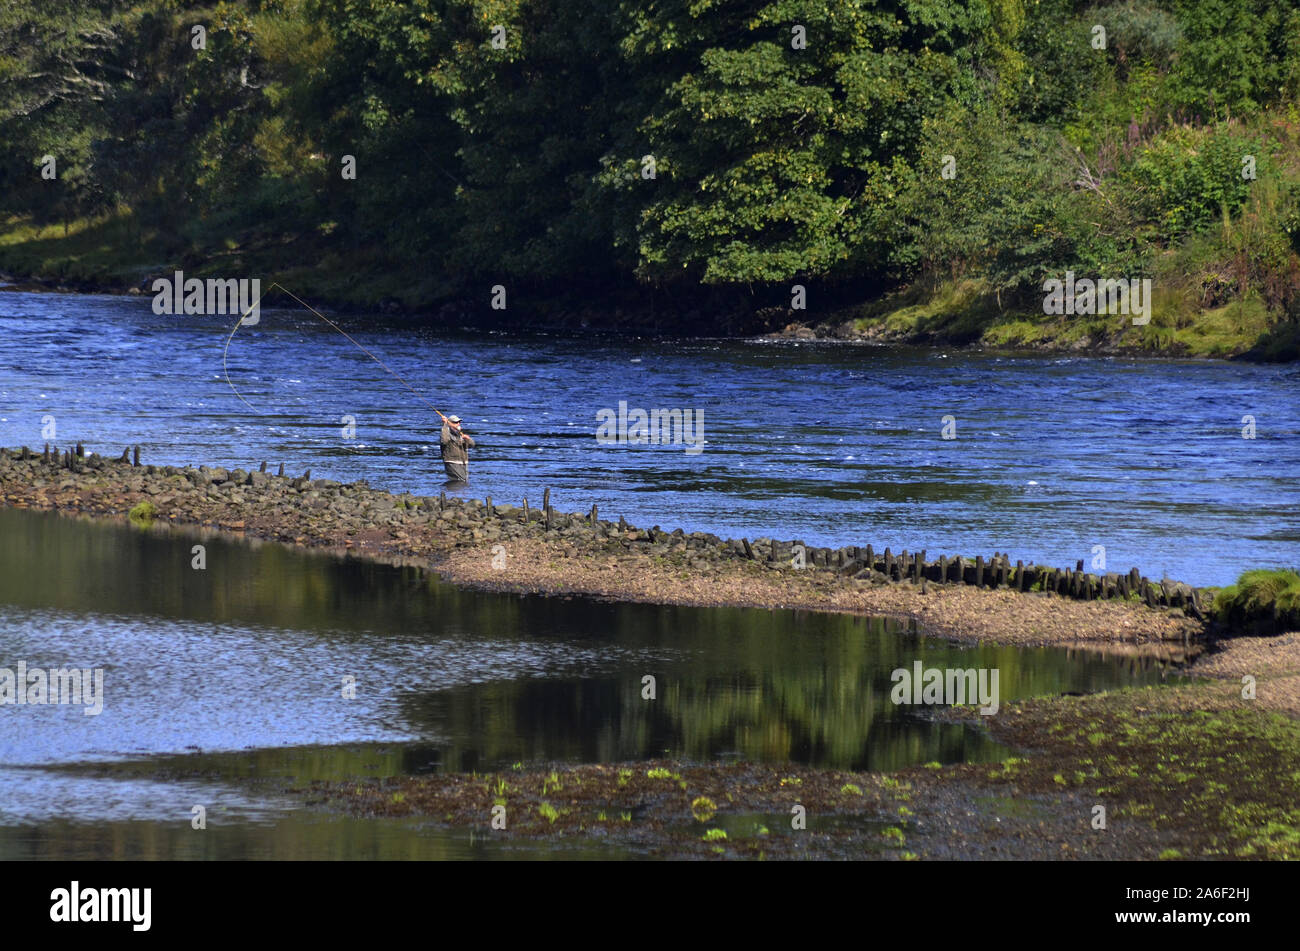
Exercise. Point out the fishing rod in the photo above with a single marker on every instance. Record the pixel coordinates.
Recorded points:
(387, 369)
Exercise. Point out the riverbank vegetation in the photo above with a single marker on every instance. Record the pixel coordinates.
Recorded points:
(919, 168)
(1261, 600)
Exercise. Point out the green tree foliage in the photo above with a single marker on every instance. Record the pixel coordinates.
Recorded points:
(782, 127)
(691, 145)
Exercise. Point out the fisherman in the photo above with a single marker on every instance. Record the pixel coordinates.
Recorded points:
(455, 449)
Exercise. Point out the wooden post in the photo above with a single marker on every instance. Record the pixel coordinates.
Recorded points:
(622, 524)
(487, 507)
(135, 456)
(262, 468)
(306, 476)
(871, 558)
(442, 500)
(594, 518)
(525, 511)
(46, 457)
(979, 571)
(81, 451)
(749, 549)
(943, 569)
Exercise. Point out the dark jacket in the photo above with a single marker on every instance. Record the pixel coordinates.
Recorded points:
(454, 444)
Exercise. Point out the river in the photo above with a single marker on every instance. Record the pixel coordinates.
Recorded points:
(1053, 458)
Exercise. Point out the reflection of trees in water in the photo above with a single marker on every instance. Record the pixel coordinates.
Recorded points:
(769, 685)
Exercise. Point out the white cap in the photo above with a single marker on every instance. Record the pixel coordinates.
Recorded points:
(453, 419)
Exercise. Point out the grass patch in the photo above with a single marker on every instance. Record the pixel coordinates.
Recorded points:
(1262, 601)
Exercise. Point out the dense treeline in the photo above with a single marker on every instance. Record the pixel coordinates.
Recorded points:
(955, 152)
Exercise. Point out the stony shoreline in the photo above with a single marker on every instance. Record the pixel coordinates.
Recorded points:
(536, 549)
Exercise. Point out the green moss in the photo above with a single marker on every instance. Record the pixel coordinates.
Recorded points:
(142, 513)
(1165, 765)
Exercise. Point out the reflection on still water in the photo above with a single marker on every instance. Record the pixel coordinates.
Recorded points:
(238, 669)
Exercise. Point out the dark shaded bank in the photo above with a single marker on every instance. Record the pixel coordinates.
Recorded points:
(941, 317)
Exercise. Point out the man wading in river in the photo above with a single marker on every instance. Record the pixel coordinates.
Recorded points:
(455, 449)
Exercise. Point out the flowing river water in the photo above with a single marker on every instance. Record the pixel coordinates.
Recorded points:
(222, 687)
(833, 444)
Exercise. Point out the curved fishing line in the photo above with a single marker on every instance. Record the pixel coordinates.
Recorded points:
(387, 369)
